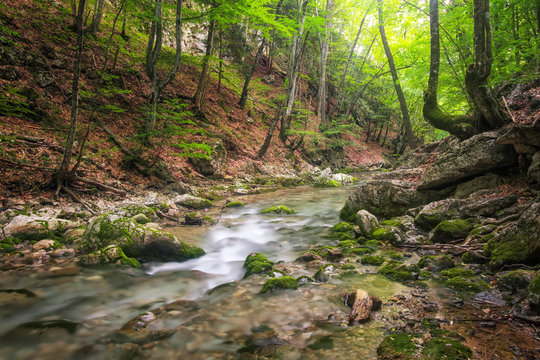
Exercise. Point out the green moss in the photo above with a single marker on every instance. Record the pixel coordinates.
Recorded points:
(234, 204)
(372, 260)
(280, 283)
(348, 267)
(472, 258)
(463, 284)
(342, 227)
(278, 209)
(449, 230)
(394, 255)
(436, 262)
(257, 263)
(347, 244)
(397, 271)
(187, 252)
(394, 222)
(424, 275)
(397, 346)
(134, 209)
(198, 203)
(515, 280)
(510, 250)
(383, 233)
(374, 244)
(209, 219)
(326, 183)
(446, 348)
(256, 257)
(450, 273)
(482, 230)
(361, 251)
(344, 237)
(304, 279)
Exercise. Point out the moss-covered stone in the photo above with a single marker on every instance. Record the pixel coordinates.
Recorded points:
(372, 260)
(342, 227)
(464, 284)
(397, 271)
(233, 204)
(374, 244)
(394, 255)
(257, 263)
(446, 348)
(449, 230)
(397, 346)
(361, 251)
(141, 219)
(324, 272)
(534, 295)
(135, 209)
(348, 267)
(515, 281)
(324, 182)
(111, 254)
(384, 233)
(473, 257)
(435, 263)
(278, 209)
(280, 283)
(450, 273)
(347, 244)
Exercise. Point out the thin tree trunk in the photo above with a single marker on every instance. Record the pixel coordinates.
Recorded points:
(98, 16)
(380, 133)
(401, 97)
(264, 148)
(203, 79)
(385, 134)
(323, 121)
(61, 174)
(368, 131)
(220, 72)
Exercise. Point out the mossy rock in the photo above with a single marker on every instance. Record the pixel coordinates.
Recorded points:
(136, 240)
(257, 263)
(472, 257)
(342, 227)
(398, 346)
(394, 255)
(397, 271)
(278, 209)
(515, 281)
(324, 273)
(481, 230)
(193, 202)
(451, 273)
(436, 263)
(465, 284)
(324, 182)
(384, 233)
(111, 254)
(233, 204)
(446, 348)
(256, 257)
(534, 295)
(374, 244)
(348, 267)
(450, 230)
(372, 260)
(280, 283)
(135, 209)
(141, 219)
(347, 244)
(361, 251)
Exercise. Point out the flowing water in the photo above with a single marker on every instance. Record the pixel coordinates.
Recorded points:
(202, 310)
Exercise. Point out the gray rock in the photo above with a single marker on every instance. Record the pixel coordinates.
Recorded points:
(387, 198)
(22, 224)
(474, 156)
(44, 78)
(46, 244)
(215, 164)
(433, 213)
(486, 206)
(533, 173)
(141, 219)
(344, 179)
(366, 222)
(487, 181)
(400, 174)
(192, 202)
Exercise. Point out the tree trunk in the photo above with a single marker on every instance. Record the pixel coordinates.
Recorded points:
(153, 51)
(385, 134)
(476, 77)
(244, 96)
(461, 126)
(198, 98)
(62, 172)
(368, 131)
(98, 16)
(401, 97)
(323, 121)
(220, 72)
(269, 135)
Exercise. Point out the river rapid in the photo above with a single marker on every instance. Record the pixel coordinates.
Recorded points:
(203, 308)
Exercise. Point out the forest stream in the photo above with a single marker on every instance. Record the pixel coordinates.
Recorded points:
(219, 315)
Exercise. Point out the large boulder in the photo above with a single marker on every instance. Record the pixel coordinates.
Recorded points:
(135, 240)
(386, 198)
(192, 202)
(433, 213)
(533, 173)
(214, 164)
(366, 222)
(488, 181)
(462, 160)
(518, 243)
(487, 206)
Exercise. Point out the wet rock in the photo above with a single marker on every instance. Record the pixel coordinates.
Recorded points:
(515, 281)
(280, 283)
(387, 198)
(44, 245)
(111, 254)
(435, 212)
(399, 174)
(344, 179)
(517, 243)
(436, 263)
(140, 331)
(308, 256)
(215, 164)
(67, 271)
(136, 240)
(278, 209)
(192, 202)
(366, 222)
(40, 326)
(534, 295)
(474, 156)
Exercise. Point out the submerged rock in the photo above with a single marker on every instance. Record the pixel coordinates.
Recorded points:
(280, 283)
(278, 209)
(366, 222)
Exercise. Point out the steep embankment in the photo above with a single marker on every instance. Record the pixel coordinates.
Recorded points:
(36, 55)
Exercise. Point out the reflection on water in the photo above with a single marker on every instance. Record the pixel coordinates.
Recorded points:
(222, 323)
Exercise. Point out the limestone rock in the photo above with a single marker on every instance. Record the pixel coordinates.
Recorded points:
(111, 254)
(367, 222)
(450, 230)
(387, 198)
(44, 245)
(22, 225)
(192, 202)
(344, 179)
(486, 206)
(487, 181)
(136, 240)
(215, 164)
(533, 173)
(474, 156)
(433, 213)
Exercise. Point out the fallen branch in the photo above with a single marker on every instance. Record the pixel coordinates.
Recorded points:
(501, 221)
(162, 215)
(508, 109)
(103, 186)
